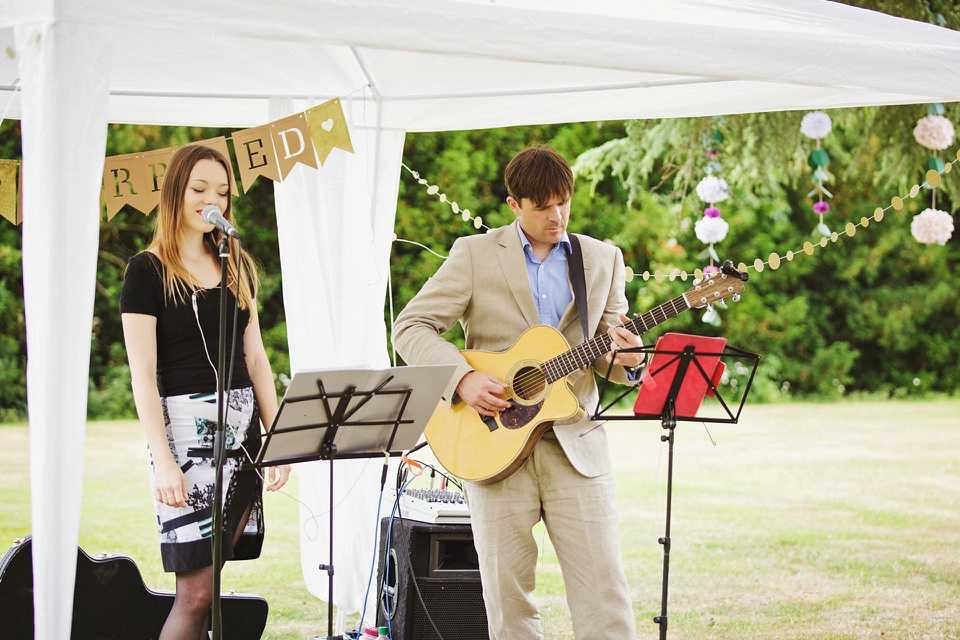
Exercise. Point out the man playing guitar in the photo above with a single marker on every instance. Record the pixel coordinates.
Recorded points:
(498, 285)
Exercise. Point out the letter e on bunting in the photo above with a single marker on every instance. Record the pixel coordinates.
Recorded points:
(255, 155)
(220, 144)
(328, 128)
(8, 191)
(125, 182)
(293, 143)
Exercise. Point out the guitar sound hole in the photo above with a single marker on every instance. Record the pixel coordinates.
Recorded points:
(528, 383)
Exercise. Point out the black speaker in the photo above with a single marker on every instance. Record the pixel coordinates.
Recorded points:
(430, 571)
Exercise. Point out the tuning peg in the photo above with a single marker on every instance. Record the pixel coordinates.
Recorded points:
(735, 297)
(728, 268)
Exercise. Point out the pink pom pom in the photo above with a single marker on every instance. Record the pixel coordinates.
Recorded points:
(711, 153)
(710, 270)
(821, 208)
(711, 212)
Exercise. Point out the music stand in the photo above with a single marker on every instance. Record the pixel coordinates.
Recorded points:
(671, 390)
(351, 413)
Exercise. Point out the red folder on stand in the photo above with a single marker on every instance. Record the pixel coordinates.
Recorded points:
(658, 375)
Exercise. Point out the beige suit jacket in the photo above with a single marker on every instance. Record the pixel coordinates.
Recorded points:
(484, 285)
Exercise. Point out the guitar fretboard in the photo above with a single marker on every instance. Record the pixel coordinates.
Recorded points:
(584, 354)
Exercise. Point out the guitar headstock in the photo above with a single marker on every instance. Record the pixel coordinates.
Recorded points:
(719, 286)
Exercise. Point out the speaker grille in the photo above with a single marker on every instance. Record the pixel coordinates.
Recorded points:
(456, 608)
(439, 560)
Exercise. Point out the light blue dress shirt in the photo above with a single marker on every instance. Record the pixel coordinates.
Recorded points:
(549, 280)
(550, 284)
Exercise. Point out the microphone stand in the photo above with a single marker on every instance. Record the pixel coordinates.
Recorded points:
(219, 443)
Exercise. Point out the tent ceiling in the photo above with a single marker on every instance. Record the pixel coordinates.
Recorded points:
(456, 64)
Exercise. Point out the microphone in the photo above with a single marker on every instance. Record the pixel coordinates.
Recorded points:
(212, 215)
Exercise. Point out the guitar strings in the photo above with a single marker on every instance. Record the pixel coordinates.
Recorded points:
(531, 380)
(571, 357)
(537, 378)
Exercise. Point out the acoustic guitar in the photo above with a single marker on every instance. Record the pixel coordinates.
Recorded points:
(110, 601)
(535, 370)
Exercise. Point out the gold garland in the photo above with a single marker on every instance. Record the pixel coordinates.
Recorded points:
(434, 190)
(773, 261)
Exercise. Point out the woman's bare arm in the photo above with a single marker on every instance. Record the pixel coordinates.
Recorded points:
(140, 337)
(263, 388)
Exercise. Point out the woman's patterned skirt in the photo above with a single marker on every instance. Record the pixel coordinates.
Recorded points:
(186, 532)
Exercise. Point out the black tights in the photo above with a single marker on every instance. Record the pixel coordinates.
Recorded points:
(191, 608)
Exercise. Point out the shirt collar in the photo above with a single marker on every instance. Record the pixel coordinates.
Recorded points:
(565, 241)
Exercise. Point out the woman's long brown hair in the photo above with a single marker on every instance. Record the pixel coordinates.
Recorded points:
(178, 284)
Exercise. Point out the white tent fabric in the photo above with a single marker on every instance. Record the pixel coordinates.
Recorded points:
(62, 157)
(334, 309)
(471, 63)
(417, 65)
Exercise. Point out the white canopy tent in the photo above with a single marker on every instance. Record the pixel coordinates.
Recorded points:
(400, 65)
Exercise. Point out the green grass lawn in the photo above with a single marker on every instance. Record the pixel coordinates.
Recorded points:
(812, 521)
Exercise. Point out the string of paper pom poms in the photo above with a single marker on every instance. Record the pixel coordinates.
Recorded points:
(816, 125)
(712, 228)
(935, 132)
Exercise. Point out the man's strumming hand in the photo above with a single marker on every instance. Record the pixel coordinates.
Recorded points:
(483, 392)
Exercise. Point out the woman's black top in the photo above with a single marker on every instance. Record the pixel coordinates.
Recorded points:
(182, 365)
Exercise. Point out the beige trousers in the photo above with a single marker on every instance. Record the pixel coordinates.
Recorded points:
(581, 518)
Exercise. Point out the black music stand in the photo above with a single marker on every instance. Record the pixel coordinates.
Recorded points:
(351, 413)
(671, 369)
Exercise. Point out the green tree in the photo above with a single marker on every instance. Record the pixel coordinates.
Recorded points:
(876, 312)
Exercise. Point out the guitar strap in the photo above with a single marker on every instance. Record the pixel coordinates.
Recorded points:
(577, 279)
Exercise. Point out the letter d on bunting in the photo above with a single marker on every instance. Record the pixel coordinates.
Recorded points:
(292, 142)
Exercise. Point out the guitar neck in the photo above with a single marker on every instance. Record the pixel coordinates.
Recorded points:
(583, 355)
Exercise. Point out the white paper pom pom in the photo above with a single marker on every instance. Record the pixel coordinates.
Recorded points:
(710, 230)
(934, 132)
(932, 226)
(816, 125)
(713, 189)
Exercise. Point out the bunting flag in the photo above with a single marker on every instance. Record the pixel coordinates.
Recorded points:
(255, 155)
(20, 195)
(328, 128)
(220, 144)
(293, 143)
(155, 167)
(270, 150)
(8, 191)
(125, 183)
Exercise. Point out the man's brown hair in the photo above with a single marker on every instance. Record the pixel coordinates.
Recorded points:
(538, 173)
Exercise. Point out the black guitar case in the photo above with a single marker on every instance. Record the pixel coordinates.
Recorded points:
(110, 601)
